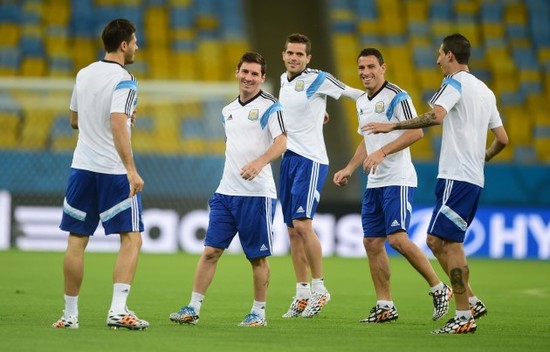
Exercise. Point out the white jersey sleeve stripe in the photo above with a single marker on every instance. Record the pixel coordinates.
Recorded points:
(272, 109)
(314, 87)
(394, 102)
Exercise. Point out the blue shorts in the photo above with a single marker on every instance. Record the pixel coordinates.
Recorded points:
(455, 209)
(251, 217)
(386, 210)
(300, 184)
(92, 197)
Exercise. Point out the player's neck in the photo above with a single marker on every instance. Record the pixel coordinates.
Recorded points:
(115, 57)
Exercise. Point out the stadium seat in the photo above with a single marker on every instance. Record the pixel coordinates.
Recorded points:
(9, 132)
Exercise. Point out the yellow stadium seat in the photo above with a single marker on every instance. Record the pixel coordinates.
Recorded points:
(466, 7)
(33, 67)
(492, 30)
(210, 67)
(518, 125)
(515, 13)
(416, 10)
(471, 31)
(36, 126)
(185, 65)
(9, 132)
(9, 34)
(56, 12)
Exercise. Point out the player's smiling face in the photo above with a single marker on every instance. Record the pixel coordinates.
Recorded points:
(250, 78)
(371, 73)
(295, 58)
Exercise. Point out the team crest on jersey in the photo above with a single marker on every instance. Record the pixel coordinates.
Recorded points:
(379, 107)
(253, 114)
(299, 86)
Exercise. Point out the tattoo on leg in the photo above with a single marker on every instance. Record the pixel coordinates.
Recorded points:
(457, 281)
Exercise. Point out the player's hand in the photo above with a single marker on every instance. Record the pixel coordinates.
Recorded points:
(326, 119)
(136, 183)
(341, 178)
(133, 118)
(251, 170)
(373, 160)
(377, 127)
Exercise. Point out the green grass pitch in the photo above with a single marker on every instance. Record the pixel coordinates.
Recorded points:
(517, 294)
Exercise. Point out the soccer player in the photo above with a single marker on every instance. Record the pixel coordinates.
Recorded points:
(304, 167)
(386, 209)
(104, 183)
(466, 108)
(245, 199)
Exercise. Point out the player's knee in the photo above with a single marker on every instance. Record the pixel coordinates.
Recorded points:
(434, 244)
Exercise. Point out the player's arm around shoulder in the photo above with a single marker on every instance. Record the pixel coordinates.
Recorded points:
(352, 93)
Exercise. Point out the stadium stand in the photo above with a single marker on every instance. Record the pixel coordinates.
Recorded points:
(185, 39)
(511, 53)
(178, 40)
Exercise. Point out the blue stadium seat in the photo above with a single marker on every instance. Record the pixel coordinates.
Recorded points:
(10, 12)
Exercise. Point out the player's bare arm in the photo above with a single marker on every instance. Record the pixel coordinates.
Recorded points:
(501, 140)
(123, 146)
(430, 118)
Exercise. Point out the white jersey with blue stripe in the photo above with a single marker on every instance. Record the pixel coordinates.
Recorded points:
(101, 88)
(390, 104)
(304, 99)
(250, 129)
(471, 111)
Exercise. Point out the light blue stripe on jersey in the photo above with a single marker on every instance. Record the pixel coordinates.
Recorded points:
(394, 102)
(223, 119)
(272, 109)
(73, 212)
(127, 84)
(453, 83)
(314, 87)
(118, 208)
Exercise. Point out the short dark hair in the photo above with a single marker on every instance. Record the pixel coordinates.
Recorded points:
(372, 52)
(459, 46)
(116, 32)
(253, 57)
(300, 39)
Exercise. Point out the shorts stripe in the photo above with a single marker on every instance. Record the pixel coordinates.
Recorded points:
(454, 217)
(314, 178)
(73, 212)
(403, 210)
(135, 215)
(269, 222)
(117, 209)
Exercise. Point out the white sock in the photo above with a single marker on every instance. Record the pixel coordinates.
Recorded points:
(259, 307)
(303, 290)
(71, 306)
(120, 296)
(318, 285)
(439, 286)
(467, 314)
(473, 300)
(196, 301)
(385, 304)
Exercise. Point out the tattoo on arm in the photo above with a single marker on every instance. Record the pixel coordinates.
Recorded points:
(457, 280)
(427, 119)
